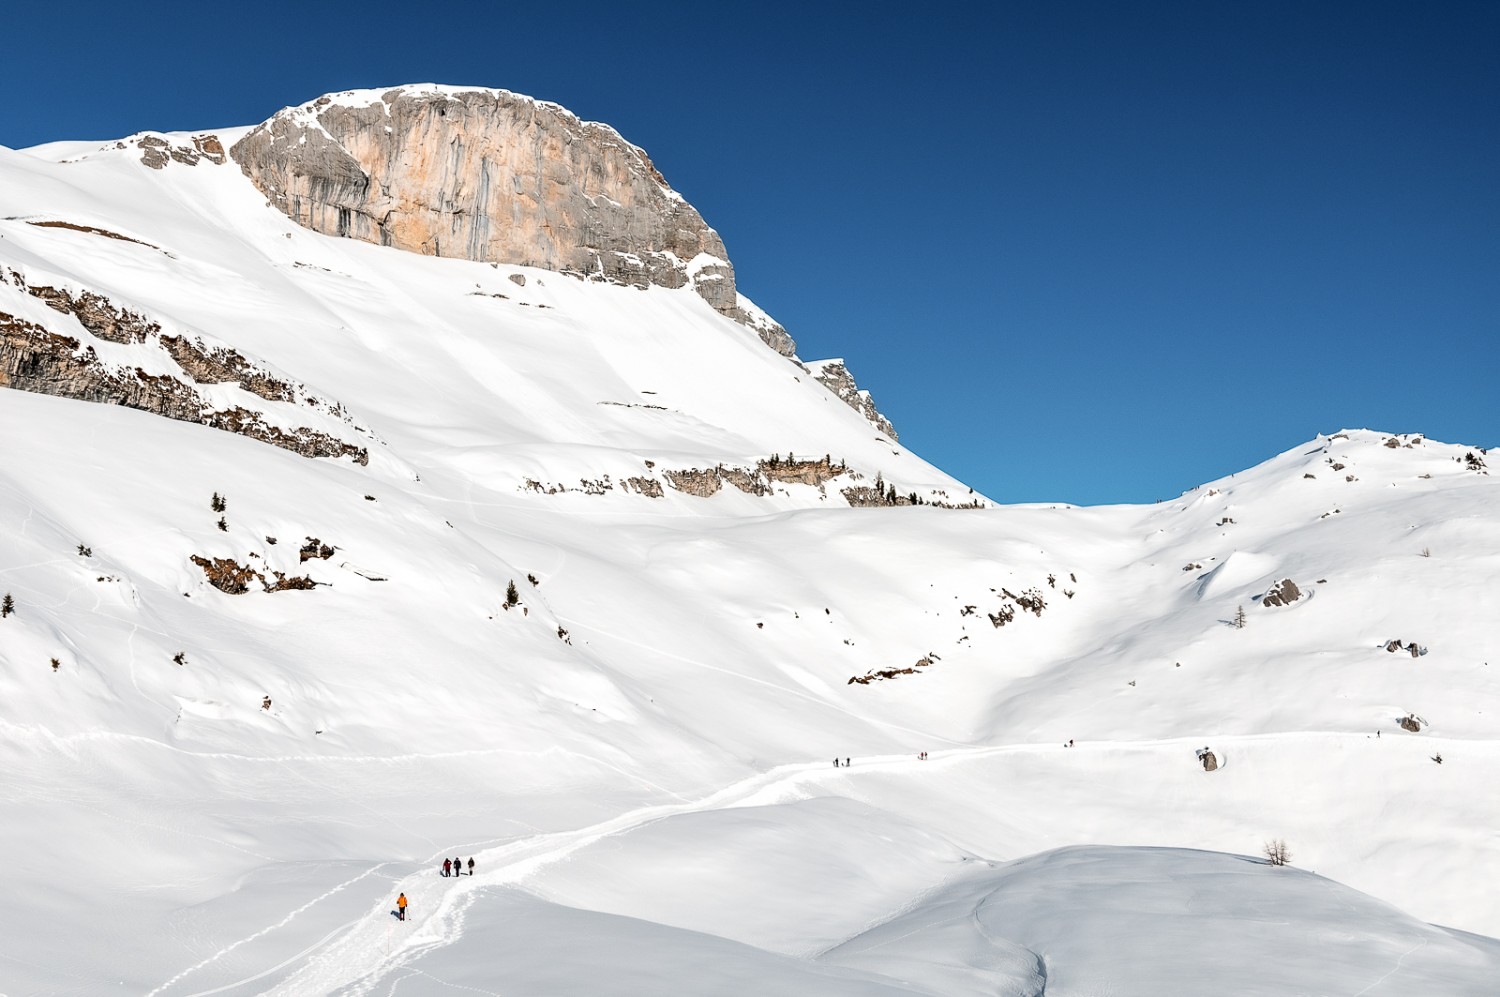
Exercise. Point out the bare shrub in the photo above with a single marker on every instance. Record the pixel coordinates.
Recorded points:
(1277, 853)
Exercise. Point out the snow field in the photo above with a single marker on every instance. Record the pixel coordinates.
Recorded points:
(652, 801)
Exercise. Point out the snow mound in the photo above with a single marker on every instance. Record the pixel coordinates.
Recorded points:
(1162, 922)
(1238, 569)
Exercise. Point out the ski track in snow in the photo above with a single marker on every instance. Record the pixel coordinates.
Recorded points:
(1394, 969)
(357, 954)
(264, 931)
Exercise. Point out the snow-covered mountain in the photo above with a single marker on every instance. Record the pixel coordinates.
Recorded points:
(328, 559)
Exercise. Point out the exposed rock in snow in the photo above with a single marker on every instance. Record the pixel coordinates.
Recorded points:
(157, 150)
(835, 376)
(1283, 593)
(35, 358)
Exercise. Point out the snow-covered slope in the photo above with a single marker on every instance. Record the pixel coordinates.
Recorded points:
(251, 695)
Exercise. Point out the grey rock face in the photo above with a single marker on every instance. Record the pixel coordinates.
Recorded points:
(768, 329)
(491, 176)
(834, 376)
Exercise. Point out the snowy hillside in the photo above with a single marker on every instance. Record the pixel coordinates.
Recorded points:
(327, 561)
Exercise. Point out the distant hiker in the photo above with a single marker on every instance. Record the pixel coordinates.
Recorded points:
(447, 865)
(471, 865)
(458, 867)
(1070, 742)
(401, 907)
(846, 763)
(835, 763)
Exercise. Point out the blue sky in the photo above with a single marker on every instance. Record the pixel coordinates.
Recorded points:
(1085, 252)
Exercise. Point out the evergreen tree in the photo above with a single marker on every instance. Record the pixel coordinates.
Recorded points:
(512, 597)
(7, 605)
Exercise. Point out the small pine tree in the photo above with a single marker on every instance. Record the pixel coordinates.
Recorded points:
(1239, 618)
(223, 524)
(218, 503)
(7, 606)
(85, 551)
(512, 597)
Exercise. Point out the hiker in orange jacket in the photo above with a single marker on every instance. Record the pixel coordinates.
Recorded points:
(401, 906)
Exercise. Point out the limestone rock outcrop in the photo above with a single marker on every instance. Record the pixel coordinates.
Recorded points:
(492, 176)
(834, 376)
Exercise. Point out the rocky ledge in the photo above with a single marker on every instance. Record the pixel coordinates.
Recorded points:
(42, 360)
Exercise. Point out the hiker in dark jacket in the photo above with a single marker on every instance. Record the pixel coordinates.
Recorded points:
(471, 865)
(447, 865)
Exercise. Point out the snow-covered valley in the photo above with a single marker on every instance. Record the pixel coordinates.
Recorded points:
(612, 590)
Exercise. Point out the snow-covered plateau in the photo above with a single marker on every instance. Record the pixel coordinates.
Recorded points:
(325, 561)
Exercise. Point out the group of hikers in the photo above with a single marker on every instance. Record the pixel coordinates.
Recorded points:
(457, 867)
(921, 757)
(451, 867)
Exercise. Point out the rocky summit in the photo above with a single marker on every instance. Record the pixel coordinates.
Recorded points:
(492, 176)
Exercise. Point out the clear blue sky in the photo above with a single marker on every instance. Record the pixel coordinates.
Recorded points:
(1087, 252)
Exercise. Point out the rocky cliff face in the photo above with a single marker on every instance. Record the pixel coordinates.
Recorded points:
(834, 376)
(493, 176)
